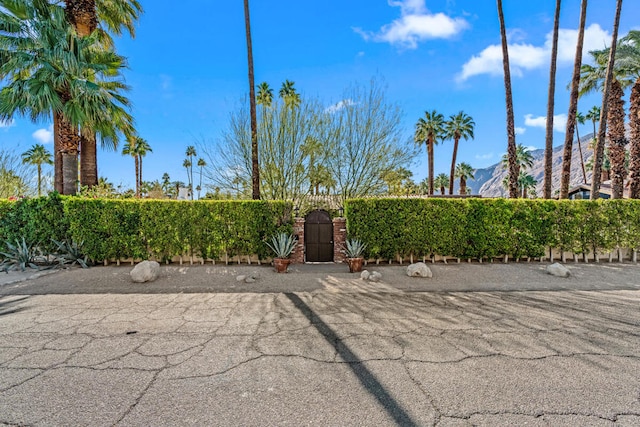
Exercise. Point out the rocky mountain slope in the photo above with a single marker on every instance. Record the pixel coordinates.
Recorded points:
(488, 181)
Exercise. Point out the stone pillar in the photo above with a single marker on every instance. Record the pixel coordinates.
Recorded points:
(339, 239)
(297, 257)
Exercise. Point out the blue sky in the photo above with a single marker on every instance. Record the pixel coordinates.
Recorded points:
(187, 68)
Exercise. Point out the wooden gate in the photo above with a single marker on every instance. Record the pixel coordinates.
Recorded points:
(318, 237)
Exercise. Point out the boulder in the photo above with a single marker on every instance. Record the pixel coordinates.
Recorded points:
(419, 269)
(146, 271)
(249, 279)
(558, 270)
(241, 278)
(365, 275)
(375, 276)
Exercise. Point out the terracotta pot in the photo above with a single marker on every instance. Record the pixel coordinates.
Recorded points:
(355, 264)
(281, 264)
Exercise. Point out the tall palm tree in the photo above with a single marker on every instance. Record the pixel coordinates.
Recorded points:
(608, 83)
(511, 131)
(265, 95)
(629, 59)
(37, 155)
(188, 165)
(142, 148)
(429, 130)
(166, 183)
(47, 67)
(464, 171)
(458, 126)
(565, 177)
(526, 182)
(548, 151)
(201, 164)
(255, 166)
(130, 148)
(289, 94)
(191, 153)
(594, 115)
(580, 120)
(441, 181)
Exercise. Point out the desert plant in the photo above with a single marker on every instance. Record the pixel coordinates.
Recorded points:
(70, 254)
(354, 248)
(20, 256)
(282, 244)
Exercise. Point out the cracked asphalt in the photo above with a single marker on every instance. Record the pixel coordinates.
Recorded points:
(487, 345)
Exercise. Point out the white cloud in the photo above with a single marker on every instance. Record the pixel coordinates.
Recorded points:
(523, 56)
(416, 24)
(339, 106)
(486, 156)
(559, 122)
(520, 131)
(7, 124)
(44, 136)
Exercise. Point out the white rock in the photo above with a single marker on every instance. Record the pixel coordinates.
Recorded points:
(375, 276)
(558, 270)
(241, 278)
(419, 269)
(365, 275)
(146, 271)
(250, 279)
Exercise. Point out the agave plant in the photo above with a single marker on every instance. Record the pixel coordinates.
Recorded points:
(282, 244)
(70, 254)
(354, 248)
(20, 256)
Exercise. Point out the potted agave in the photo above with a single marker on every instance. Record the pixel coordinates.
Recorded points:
(354, 250)
(282, 245)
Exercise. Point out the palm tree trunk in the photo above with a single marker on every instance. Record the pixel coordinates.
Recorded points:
(463, 185)
(430, 156)
(88, 160)
(548, 152)
(68, 152)
(39, 180)
(453, 164)
(255, 167)
(634, 150)
(602, 132)
(57, 154)
(511, 132)
(573, 107)
(617, 139)
(140, 173)
(584, 171)
(137, 165)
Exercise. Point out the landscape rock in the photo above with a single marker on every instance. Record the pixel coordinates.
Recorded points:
(419, 269)
(365, 275)
(146, 271)
(558, 270)
(375, 276)
(241, 278)
(250, 279)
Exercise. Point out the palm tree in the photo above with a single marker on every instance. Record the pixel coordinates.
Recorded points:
(526, 182)
(130, 148)
(511, 132)
(548, 151)
(255, 166)
(47, 68)
(201, 164)
(166, 183)
(580, 120)
(289, 94)
(37, 155)
(188, 165)
(441, 181)
(142, 148)
(429, 130)
(458, 126)
(524, 158)
(265, 95)
(594, 115)
(608, 83)
(629, 59)
(190, 153)
(464, 171)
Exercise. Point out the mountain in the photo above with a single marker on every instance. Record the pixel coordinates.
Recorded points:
(488, 181)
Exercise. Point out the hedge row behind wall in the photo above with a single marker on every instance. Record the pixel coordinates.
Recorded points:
(487, 228)
(142, 229)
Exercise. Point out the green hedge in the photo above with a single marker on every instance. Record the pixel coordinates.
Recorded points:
(487, 228)
(141, 229)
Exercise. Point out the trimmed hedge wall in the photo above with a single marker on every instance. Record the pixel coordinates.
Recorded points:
(488, 228)
(142, 229)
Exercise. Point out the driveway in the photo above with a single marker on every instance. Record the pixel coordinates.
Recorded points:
(327, 349)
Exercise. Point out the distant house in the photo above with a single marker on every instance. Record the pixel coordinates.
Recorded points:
(583, 191)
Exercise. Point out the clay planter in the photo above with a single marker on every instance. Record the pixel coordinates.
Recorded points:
(281, 264)
(355, 264)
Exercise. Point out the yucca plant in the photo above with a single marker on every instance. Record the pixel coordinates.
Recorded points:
(70, 254)
(354, 248)
(282, 244)
(20, 256)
